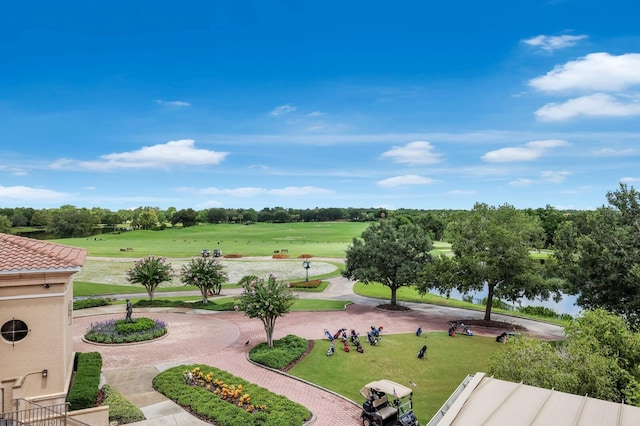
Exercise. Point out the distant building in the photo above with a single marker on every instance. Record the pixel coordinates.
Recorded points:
(36, 326)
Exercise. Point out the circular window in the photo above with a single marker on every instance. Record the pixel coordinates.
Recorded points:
(14, 330)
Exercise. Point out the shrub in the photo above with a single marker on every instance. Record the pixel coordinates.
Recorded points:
(283, 352)
(540, 311)
(305, 284)
(121, 410)
(84, 390)
(89, 303)
(139, 324)
(212, 305)
(281, 410)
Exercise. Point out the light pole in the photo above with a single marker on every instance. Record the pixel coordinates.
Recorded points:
(306, 265)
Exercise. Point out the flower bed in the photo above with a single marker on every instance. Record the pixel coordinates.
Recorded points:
(209, 406)
(119, 331)
(232, 256)
(231, 393)
(280, 256)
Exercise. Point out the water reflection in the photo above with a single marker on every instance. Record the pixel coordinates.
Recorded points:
(565, 306)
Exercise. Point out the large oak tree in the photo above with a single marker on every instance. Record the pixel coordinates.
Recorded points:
(391, 252)
(491, 250)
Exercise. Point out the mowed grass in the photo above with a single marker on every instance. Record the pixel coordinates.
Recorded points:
(447, 363)
(320, 239)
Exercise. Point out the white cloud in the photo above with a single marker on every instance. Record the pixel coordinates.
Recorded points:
(554, 177)
(522, 182)
(630, 180)
(417, 152)
(551, 43)
(172, 103)
(462, 192)
(316, 114)
(594, 72)
(282, 109)
(404, 180)
(610, 152)
(529, 152)
(162, 156)
(596, 105)
(547, 176)
(290, 191)
(294, 191)
(26, 194)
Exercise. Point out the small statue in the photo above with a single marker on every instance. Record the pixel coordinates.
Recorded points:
(129, 312)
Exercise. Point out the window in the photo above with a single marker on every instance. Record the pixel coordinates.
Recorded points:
(14, 330)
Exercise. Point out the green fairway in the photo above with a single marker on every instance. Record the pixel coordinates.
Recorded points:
(448, 362)
(320, 239)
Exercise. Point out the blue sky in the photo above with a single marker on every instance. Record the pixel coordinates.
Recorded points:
(303, 104)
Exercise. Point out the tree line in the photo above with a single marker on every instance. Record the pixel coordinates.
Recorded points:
(595, 256)
(69, 221)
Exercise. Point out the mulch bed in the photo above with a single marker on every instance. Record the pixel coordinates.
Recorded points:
(489, 324)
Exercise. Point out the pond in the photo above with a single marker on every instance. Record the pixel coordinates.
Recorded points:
(565, 306)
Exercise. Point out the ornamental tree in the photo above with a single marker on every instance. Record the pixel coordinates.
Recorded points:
(150, 271)
(265, 299)
(206, 273)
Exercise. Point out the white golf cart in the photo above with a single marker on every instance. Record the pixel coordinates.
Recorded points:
(388, 403)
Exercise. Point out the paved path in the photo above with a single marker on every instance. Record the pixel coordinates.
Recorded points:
(218, 339)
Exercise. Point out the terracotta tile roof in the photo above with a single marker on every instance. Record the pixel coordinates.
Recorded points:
(27, 254)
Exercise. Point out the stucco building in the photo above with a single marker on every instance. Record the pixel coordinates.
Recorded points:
(36, 317)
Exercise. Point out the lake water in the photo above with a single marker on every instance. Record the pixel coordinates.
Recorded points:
(565, 306)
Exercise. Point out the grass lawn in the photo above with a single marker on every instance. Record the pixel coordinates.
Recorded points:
(325, 239)
(447, 363)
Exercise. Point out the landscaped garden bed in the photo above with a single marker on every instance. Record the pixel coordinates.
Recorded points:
(119, 331)
(217, 396)
(284, 353)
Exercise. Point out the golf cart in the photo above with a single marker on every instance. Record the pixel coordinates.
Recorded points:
(388, 404)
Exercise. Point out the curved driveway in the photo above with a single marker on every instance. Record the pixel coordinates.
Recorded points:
(218, 339)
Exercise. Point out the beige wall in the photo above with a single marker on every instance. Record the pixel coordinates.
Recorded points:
(49, 344)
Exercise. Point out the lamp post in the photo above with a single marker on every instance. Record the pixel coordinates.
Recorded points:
(306, 265)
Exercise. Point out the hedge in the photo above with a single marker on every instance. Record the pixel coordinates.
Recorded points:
(84, 390)
(121, 410)
(90, 303)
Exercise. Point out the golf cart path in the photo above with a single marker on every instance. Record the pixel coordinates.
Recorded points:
(218, 339)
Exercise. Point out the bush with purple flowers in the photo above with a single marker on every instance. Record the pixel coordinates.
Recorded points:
(114, 331)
